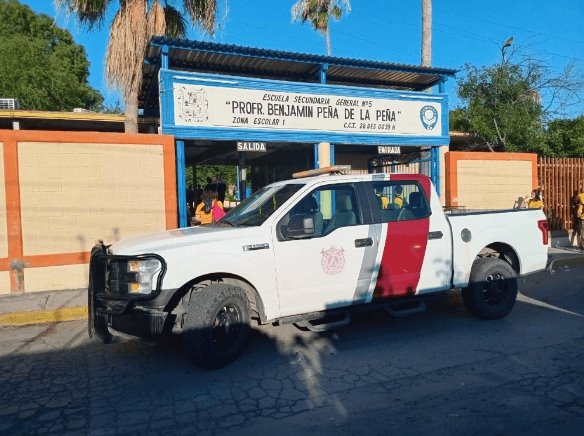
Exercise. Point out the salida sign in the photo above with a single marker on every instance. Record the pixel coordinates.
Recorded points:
(218, 106)
(251, 146)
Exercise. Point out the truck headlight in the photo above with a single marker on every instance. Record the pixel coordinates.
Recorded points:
(142, 274)
(134, 277)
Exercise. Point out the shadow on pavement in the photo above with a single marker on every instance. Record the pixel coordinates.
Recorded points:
(379, 373)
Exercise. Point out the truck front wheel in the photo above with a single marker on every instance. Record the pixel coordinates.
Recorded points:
(492, 289)
(216, 324)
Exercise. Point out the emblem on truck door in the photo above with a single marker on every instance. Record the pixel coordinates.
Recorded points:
(333, 260)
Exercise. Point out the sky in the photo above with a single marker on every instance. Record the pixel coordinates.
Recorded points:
(463, 31)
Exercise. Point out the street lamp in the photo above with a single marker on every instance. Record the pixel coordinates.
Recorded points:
(505, 45)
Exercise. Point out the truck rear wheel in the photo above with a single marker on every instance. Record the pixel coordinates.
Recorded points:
(216, 324)
(492, 289)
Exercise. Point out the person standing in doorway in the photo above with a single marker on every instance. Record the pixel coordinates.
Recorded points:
(204, 210)
(220, 189)
(210, 186)
(210, 209)
(580, 219)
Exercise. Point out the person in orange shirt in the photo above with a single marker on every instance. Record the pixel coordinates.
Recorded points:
(536, 201)
(204, 211)
(580, 219)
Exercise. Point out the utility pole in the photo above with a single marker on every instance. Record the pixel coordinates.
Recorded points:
(426, 62)
(426, 33)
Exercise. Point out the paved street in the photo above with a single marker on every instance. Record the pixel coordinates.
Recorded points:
(440, 372)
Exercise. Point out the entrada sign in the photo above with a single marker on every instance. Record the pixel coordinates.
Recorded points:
(251, 146)
(385, 149)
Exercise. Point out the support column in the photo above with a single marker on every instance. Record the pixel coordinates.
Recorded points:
(327, 206)
(435, 168)
(242, 176)
(181, 181)
(324, 152)
(164, 58)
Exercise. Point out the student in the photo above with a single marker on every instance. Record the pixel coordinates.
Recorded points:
(204, 212)
(580, 219)
(383, 200)
(398, 198)
(535, 202)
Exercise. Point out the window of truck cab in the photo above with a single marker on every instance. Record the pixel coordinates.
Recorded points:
(256, 209)
(330, 207)
(398, 200)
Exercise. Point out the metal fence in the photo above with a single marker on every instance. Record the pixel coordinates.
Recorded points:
(561, 179)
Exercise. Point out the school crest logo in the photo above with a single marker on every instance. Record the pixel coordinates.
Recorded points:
(192, 105)
(429, 117)
(333, 260)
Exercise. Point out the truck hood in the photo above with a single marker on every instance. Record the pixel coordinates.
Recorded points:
(188, 236)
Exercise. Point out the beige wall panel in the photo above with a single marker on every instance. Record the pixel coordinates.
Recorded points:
(470, 164)
(4, 282)
(56, 278)
(74, 194)
(493, 184)
(3, 223)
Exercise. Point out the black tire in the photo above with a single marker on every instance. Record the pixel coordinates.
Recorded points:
(492, 289)
(216, 324)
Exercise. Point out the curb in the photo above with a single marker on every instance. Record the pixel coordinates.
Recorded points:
(43, 316)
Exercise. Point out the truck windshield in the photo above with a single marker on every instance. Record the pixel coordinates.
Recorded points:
(254, 210)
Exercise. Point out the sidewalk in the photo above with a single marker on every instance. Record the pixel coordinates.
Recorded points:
(69, 305)
(43, 307)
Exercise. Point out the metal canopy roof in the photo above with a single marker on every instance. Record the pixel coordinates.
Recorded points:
(207, 57)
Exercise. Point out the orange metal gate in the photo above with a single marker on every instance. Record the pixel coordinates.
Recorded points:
(561, 179)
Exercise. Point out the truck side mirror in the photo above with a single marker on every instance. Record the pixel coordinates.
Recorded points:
(299, 226)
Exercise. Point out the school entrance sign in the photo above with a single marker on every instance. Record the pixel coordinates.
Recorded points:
(217, 106)
(228, 107)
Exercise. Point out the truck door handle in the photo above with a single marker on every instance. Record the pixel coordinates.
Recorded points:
(366, 242)
(435, 235)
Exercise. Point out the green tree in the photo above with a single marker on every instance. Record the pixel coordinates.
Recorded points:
(318, 12)
(41, 64)
(227, 173)
(135, 21)
(565, 137)
(502, 107)
(508, 106)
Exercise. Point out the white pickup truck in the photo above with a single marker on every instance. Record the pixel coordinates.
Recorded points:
(309, 251)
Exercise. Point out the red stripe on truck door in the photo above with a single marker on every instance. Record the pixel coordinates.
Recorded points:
(404, 251)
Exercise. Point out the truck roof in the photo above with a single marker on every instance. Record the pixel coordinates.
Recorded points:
(336, 177)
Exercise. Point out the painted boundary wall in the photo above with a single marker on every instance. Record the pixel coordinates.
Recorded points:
(485, 180)
(62, 191)
(562, 179)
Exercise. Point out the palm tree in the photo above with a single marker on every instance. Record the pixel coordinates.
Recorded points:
(318, 13)
(132, 26)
